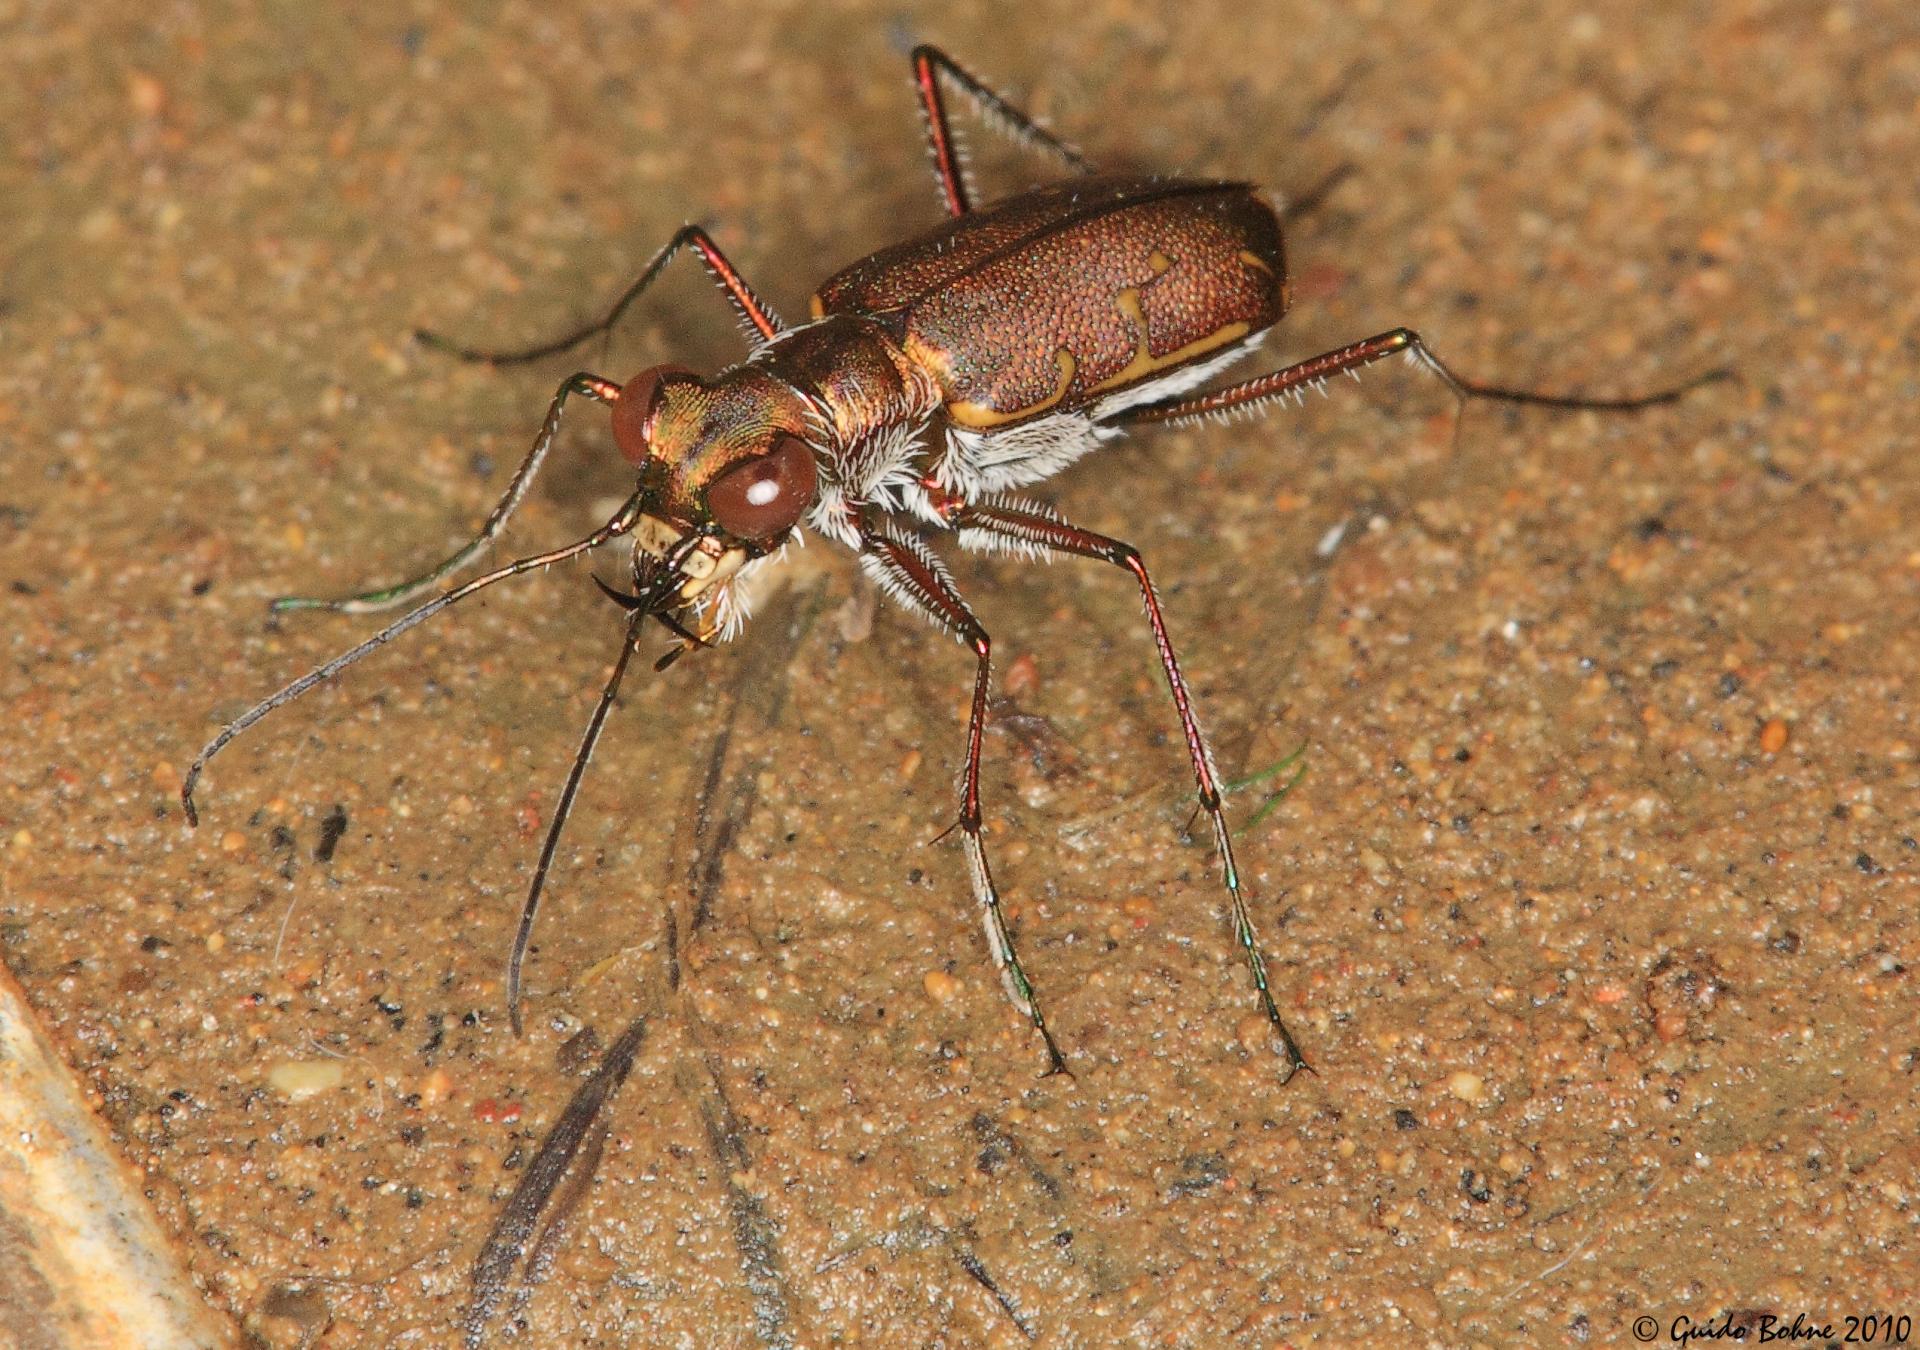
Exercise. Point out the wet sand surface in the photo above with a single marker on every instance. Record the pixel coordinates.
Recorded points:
(1595, 909)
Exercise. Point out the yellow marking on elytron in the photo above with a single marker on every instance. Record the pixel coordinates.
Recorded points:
(1252, 259)
(1159, 262)
(980, 415)
(816, 307)
(1144, 362)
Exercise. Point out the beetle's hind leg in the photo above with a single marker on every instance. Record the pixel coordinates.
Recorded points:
(1290, 382)
(1032, 530)
(910, 575)
(755, 315)
(930, 67)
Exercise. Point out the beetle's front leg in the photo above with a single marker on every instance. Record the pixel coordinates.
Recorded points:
(904, 569)
(584, 384)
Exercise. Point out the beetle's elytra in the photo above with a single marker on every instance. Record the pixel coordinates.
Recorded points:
(936, 376)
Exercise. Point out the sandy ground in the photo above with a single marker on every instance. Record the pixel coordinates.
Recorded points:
(1595, 909)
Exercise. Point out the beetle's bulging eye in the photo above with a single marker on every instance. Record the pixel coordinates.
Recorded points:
(633, 410)
(765, 496)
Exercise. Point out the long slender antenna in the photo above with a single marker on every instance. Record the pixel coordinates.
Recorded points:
(560, 813)
(623, 521)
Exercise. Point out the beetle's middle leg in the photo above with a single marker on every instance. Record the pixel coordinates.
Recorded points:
(930, 65)
(1005, 528)
(911, 575)
(1314, 371)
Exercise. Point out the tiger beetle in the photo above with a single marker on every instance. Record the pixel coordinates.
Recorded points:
(933, 380)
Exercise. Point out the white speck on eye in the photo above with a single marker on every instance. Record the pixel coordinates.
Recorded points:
(764, 493)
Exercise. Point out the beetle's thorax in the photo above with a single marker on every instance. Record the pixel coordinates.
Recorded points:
(851, 370)
(816, 423)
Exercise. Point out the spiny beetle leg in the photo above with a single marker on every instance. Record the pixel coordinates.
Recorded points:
(930, 64)
(590, 386)
(622, 523)
(1315, 197)
(753, 312)
(990, 526)
(1264, 389)
(906, 571)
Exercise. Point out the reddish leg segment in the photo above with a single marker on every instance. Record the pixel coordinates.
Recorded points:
(998, 527)
(930, 64)
(753, 312)
(906, 571)
(1263, 389)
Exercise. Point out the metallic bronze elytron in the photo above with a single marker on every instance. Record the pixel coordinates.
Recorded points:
(1044, 302)
(937, 375)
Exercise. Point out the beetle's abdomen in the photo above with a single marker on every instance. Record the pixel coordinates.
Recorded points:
(1059, 298)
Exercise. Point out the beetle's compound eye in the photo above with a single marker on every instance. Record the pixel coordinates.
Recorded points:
(765, 496)
(633, 410)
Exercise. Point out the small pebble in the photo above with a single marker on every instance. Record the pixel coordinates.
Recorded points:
(1253, 1031)
(1773, 736)
(1468, 1087)
(493, 1111)
(147, 95)
(940, 986)
(435, 1087)
(300, 1079)
(1022, 677)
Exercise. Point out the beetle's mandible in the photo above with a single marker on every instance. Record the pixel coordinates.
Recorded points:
(935, 379)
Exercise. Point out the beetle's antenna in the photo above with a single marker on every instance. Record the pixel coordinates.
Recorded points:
(622, 522)
(560, 813)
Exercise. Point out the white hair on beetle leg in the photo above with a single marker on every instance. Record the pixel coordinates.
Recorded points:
(1010, 538)
(998, 941)
(986, 460)
(978, 462)
(900, 589)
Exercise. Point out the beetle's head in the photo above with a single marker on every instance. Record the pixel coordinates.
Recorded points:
(725, 475)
